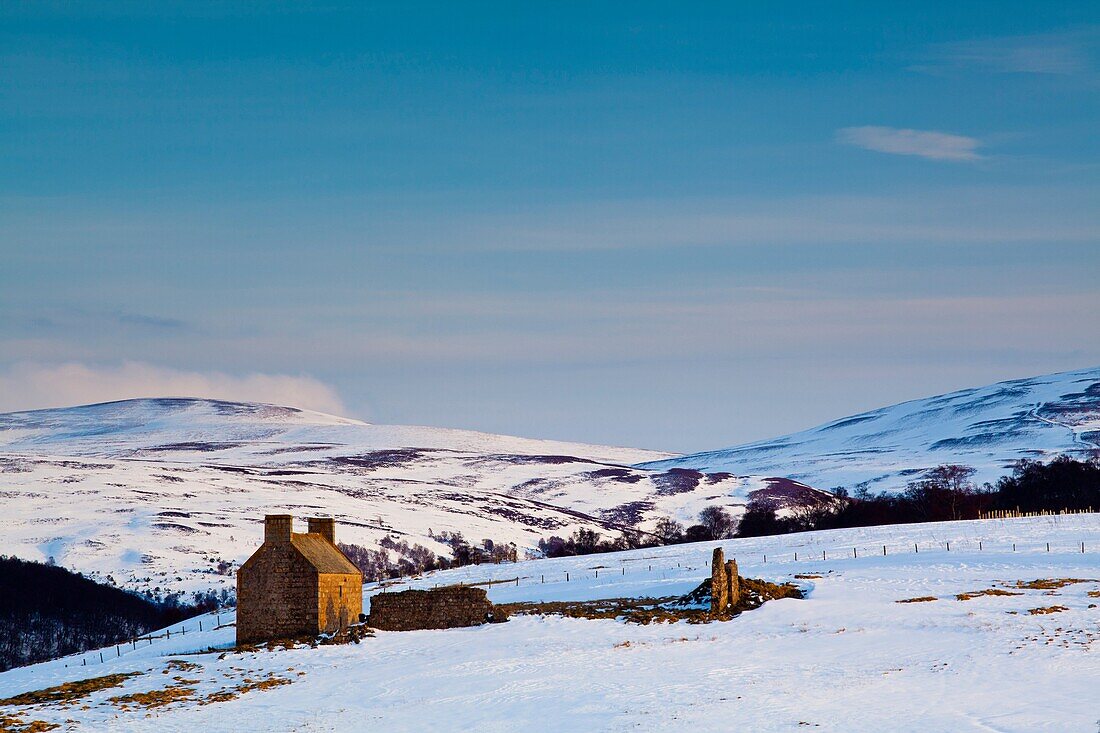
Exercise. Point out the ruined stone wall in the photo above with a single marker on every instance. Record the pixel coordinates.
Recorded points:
(276, 596)
(339, 601)
(440, 608)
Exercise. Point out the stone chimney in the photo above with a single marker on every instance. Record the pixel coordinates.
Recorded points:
(324, 526)
(277, 528)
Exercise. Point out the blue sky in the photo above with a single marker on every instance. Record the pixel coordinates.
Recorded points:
(670, 226)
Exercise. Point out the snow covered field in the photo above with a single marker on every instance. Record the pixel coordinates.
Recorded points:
(849, 657)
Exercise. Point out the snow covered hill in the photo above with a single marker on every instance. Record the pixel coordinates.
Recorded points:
(988, 428)
(156, 492)
(902, 642)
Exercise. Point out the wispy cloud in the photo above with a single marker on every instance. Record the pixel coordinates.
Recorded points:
(930, 144)
(1067, 52)
(32, 385)
(156, 323)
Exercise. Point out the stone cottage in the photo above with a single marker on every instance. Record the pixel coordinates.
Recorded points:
(296, 584)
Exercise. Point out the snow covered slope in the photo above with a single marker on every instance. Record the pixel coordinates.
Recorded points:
(986, 427)
(156, 492)
(850, 657)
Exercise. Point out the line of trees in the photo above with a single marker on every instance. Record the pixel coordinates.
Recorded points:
(397, 558)
(943, 493)
(715, 523)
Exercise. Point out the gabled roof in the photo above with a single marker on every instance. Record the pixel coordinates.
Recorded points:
(322, 554)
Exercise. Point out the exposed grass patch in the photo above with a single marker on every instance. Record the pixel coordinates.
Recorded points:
(248, 686)
(180, 665)
(919, 599)
(70, 691)
(1049, 583)
(154, 698)
(1046, 610)
(15, 724)
(986, 592)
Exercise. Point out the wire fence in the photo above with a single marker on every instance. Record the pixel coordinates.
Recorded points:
(630, 568)
(1016, 513)
(192, 625)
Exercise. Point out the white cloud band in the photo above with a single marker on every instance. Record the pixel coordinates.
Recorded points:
(30, 385)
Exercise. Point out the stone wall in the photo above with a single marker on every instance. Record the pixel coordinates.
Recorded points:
(440, 608)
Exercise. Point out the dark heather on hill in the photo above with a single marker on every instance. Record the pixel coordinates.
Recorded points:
(48, 612)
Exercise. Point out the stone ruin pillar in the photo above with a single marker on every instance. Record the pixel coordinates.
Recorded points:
(725, 583)
(734, 582)
(719, 584)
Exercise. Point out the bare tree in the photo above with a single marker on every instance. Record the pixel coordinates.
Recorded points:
(668, 531)
(718, 522)
(942, 492)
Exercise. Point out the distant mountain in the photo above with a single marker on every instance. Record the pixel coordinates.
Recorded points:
(159, 492)
(988, 428)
